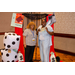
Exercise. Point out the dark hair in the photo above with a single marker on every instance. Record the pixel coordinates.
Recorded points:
(43, 19)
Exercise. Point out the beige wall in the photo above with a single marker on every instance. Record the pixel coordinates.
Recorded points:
(65, 44)
(65, 22)
(1, 41)
(5, 21)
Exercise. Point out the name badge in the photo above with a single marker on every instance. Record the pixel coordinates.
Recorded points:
(33, 39)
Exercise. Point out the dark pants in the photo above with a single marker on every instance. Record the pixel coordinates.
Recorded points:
(29, 50)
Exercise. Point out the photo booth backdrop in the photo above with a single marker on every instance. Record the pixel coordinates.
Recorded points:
(65, 24)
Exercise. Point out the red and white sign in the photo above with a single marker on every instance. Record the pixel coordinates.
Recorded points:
(17, 20)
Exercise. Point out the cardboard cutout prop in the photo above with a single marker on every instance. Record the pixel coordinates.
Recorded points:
(17, 20)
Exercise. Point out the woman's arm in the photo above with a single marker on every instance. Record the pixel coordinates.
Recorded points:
(24, 41)
(37, 31)
(51, 33)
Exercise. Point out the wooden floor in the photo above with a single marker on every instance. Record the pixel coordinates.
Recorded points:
(63, 57)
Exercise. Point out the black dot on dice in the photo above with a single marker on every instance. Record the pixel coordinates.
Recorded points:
(7, 54)
(17, 39)
(4, 44)
(6, 49)
(15, 56)
(12, 60)
(8, 46)
(9, 34)
(1, 53)
(13, 42)
(2, 61)
(5, 37)
(13, 34)
(3, 49)
(8, 61)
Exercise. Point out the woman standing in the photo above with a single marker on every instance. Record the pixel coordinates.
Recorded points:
(44, 33)
(29, 37)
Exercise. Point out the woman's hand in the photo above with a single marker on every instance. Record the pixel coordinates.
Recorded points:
(25, 45)
(51, 33)
(46, 29)
(37, 31)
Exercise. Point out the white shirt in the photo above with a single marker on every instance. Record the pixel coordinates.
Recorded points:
(43, 35)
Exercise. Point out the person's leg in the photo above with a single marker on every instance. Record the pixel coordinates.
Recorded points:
(31, 53)
(46, 50)
(27, 53)
(41, 51)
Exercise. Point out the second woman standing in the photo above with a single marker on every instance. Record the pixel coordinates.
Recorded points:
(29, 37)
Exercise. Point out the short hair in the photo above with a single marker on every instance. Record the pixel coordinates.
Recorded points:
(31, 23)
(43, 19)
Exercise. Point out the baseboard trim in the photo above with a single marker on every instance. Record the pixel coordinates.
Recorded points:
(65, 52)
(62, 51)
(2, 33)
(64, 35)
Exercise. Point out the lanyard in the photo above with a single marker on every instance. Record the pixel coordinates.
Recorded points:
(32, 32)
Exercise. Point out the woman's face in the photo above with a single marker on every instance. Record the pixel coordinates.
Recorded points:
(32, 27)
(43, 23)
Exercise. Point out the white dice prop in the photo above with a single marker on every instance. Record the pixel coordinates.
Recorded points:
(11, 41)
(9, 55)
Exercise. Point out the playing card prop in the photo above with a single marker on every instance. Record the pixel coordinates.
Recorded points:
(11, 41)
(17, 20)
